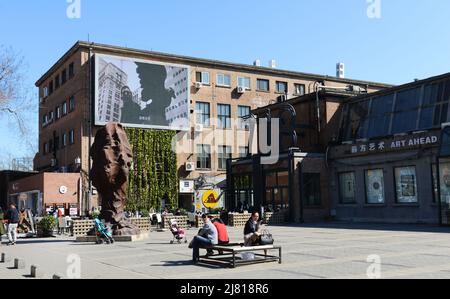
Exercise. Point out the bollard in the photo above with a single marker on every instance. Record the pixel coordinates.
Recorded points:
(36, 272)
(5, 258)
(19, 264)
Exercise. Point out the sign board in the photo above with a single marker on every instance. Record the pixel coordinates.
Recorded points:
(23, 197)
(210, 199)
(73, 211)
(388, 145)
(141, 93)
(187, 186)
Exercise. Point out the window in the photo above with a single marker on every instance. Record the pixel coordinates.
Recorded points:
(203, 156)
(406, 184)
(202, 77)
(357, 120)
(71, 104)
(444, 170)
(57, 82)
(311, 189)
(223, 80)
(64, 108)
(51, 116)
(282, 87)
(46, 148)
(299, 89)
(375, 186)
(203, 114)
(64, 140)
(262, 85)
(72, 137)
(380, 116)
(435, 105)
(58, 112)
(224, 116)
(50, 87)
(244, 82)
(243, 152)
(64, 76)
(406, 111)
(224, 154)
(71, 70)
(45, 91)
(243, 111)
(347, 188)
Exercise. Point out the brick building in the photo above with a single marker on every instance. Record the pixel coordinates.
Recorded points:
(218, 92)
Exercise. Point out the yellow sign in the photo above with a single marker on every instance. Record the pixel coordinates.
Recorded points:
(198, 206)
(210, 199)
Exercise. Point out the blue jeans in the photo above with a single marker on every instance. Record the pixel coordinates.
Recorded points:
(199, 242)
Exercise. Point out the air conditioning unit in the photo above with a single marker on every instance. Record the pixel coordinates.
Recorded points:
(198, 85)
(190, 166)
(199, 128)
(241, 89)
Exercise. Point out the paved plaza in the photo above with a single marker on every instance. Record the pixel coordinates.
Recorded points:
(332, 250)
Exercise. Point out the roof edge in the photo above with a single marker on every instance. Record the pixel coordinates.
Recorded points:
(96, 46)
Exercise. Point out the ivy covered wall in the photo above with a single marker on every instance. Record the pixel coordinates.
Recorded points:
(154, 173)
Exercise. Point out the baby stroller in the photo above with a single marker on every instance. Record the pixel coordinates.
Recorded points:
(177, 232)
(102, 233)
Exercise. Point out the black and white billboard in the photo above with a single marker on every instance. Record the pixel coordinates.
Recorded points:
(141, 94)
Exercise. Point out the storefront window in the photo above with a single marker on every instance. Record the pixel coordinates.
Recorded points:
(375, 186)
(444, 169)
(347, 188)
(406, 184)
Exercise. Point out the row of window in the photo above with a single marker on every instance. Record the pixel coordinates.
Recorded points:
(245, 82)
(203, 110)
(59, 80)
(414, 109)
(62, 110)
(55, 144)
(224, 153)
(405, 186)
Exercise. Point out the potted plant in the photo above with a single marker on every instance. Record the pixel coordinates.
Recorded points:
(47, 225)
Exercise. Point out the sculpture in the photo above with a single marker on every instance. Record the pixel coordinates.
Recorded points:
(112, 158)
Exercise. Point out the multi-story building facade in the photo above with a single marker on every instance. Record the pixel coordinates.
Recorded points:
(218, 92)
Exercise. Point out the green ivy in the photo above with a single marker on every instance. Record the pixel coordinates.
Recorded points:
(148, 186)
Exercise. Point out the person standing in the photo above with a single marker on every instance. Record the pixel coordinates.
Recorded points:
(12, 216)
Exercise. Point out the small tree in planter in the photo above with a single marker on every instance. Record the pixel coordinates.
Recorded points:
(47, 225)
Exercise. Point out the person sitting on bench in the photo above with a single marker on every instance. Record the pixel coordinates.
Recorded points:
(207, 237)
(222, 235)
(252, 230)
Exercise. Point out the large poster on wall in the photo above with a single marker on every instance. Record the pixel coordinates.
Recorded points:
(141, 93)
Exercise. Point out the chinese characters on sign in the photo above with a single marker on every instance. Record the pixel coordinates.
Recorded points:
(382, 146)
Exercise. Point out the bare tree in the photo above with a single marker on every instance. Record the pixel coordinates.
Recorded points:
(16, 100)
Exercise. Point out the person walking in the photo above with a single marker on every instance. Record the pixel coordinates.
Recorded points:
(12, 216)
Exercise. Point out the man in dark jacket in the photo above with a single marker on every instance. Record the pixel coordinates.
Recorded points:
(12, 216)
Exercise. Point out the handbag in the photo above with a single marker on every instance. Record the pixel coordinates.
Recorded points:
(266, 238)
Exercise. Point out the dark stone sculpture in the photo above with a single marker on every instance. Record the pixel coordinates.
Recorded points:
(112, 158)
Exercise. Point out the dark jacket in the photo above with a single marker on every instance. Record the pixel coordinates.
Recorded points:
(250, 227)
(12, 216)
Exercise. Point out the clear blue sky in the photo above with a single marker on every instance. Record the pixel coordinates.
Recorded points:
(411, 40)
